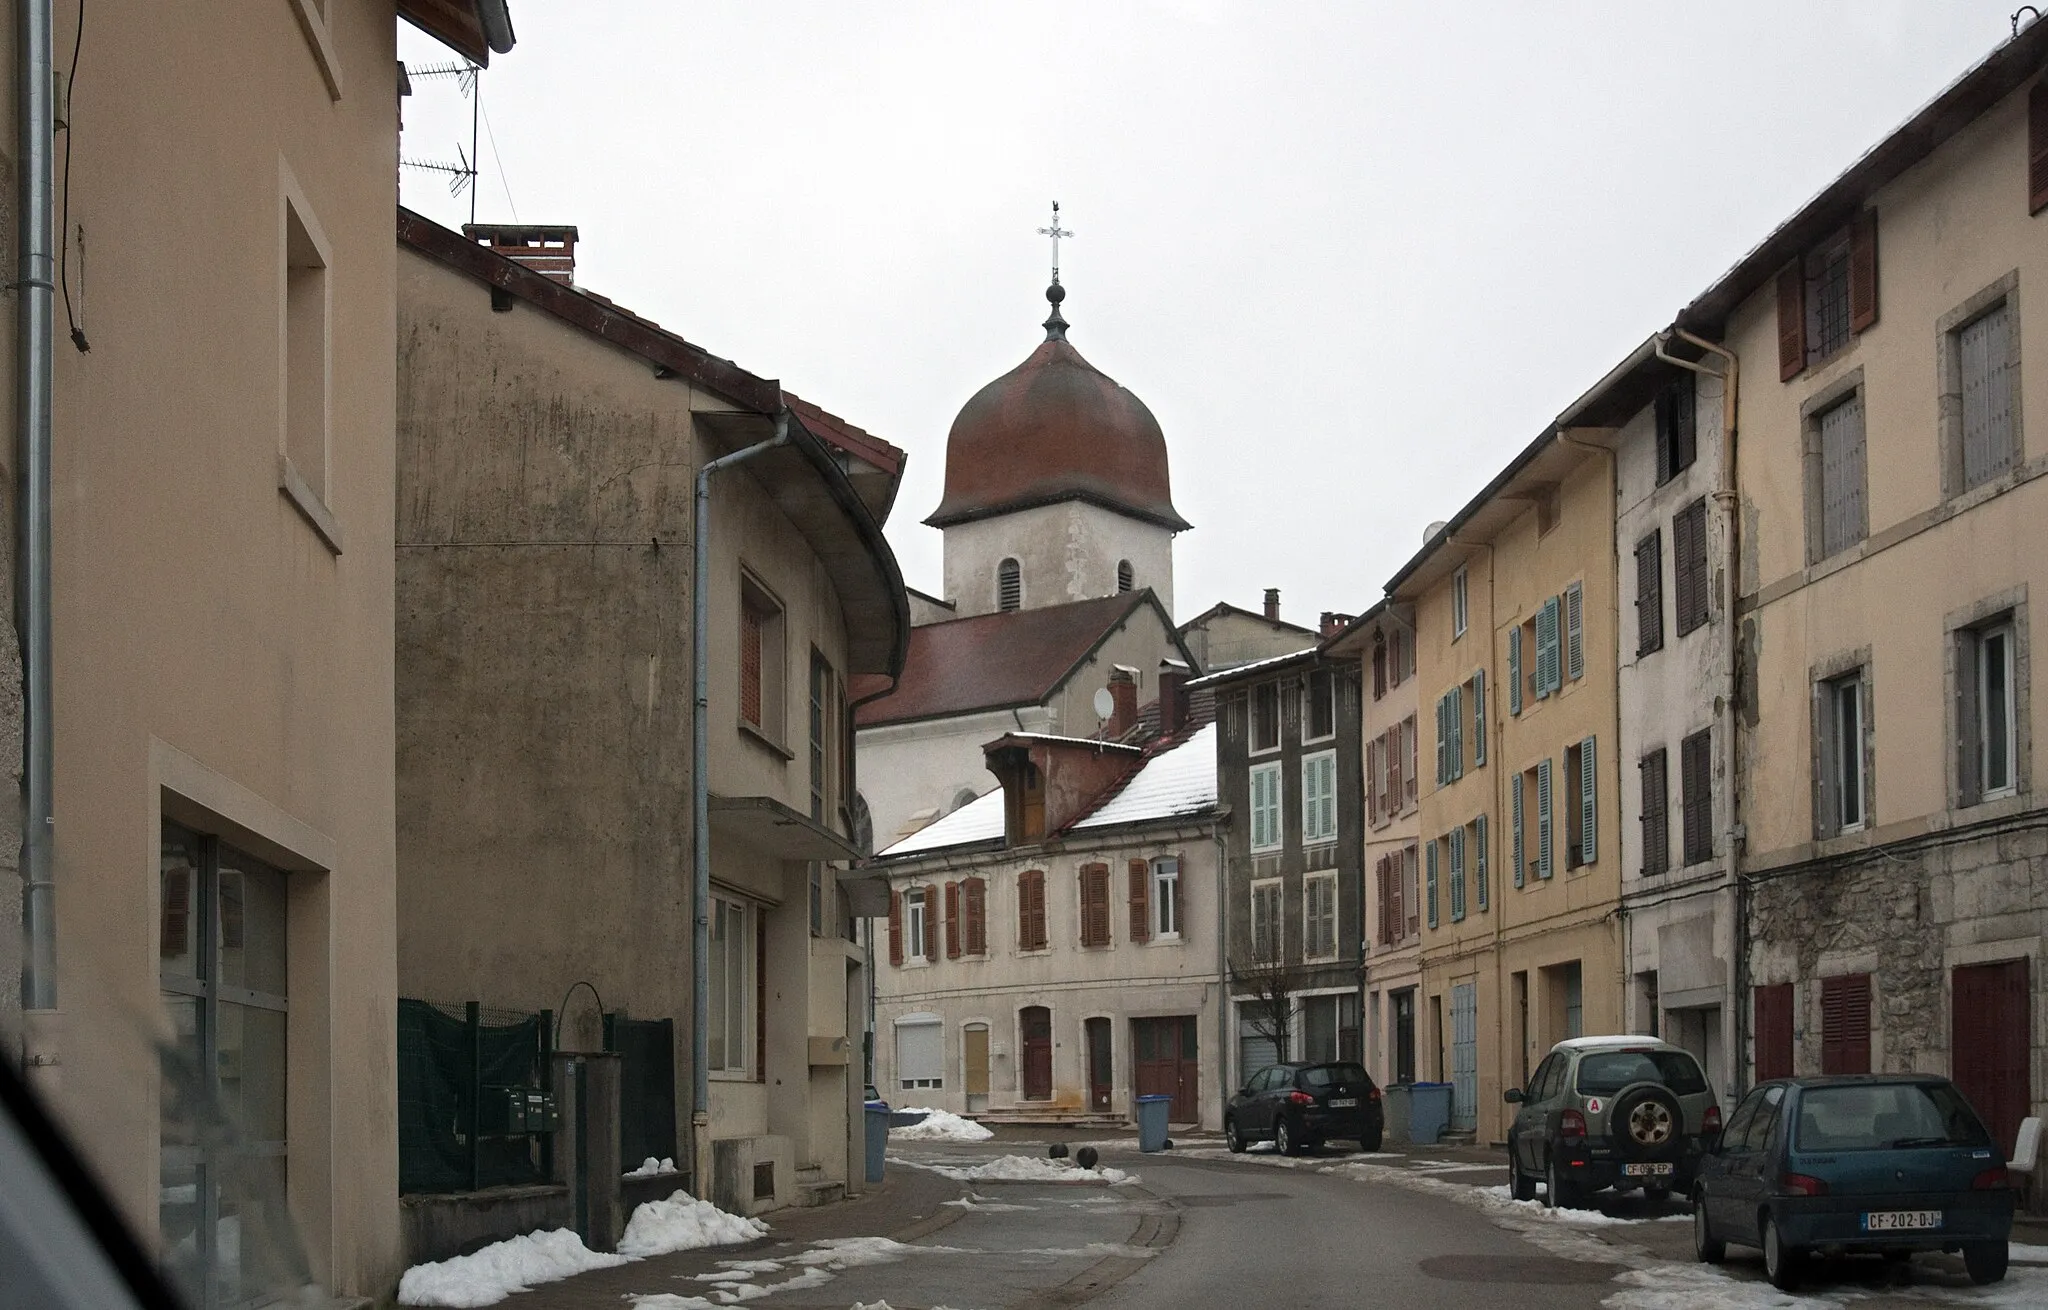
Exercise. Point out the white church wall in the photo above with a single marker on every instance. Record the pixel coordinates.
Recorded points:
(1065, 552)
(907, 768)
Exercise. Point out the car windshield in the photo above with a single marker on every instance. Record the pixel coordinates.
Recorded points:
(1885, 1116)
(1323, 1075)
(1604, 1073)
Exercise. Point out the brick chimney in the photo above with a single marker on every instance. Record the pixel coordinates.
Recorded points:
(1123, 691)
(1273, 603)
(1173, 697)
(1333, 622)
(548, 249)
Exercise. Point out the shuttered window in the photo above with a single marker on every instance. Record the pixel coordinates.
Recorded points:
(1845, 1024)
(1031, 935)
(1696, 794)
(1319, 798)
(1382, 892)
(921, 1053)
(896, 928)
(1543, 868)
(1515, 670)
(1515, 829)
(1009, 585)
(1094, 904)
(1677, 431)
(1455, 848)
(1319, 916)
(1429, 858)
(1548, 664)
(1843, 518)
(1141, 900)
(1582, 844)
(1791, 323)
(1650, 594)
(927, 930)
(1828, 296)
(1265, 788)
(953, 942)
(1411, 773)
(1827, 299)
(1863, 272)
(1984, 356)
(1266, 927)
(1689, 565)
(1411, 900)
(1478, 718)
(1653, 771)
(1773, 1031)
(1379, 665)
(974, 909)
(1479, 858)
(1575, 633)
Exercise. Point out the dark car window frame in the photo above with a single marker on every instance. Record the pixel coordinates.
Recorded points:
(1739, 1122)
(1352, 1073)
(1540, 1081)
(1658, 1060)
(1758, 1137)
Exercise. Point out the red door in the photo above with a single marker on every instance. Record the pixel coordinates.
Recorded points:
(1989, 1039)
(1773, 1031)
(1166, 1063)
(1036, 1022)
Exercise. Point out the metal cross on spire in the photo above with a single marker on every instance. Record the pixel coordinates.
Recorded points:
(1055, 232)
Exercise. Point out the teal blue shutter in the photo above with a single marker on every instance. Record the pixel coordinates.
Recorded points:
(1543, 819)
(1430, 861)
(1479, 857)
(1546, 648)
(1457, 874)
(1575, 648)
(1454, 719)
(1515, 669)
(1479, 718)
(1516, 824)
(1589, 810)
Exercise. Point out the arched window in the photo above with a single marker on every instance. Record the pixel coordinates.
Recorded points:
(1009, 585)
(1123, 575)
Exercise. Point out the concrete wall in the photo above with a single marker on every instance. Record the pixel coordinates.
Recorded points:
(216, 656)
(1065, 552)
(1233, 638)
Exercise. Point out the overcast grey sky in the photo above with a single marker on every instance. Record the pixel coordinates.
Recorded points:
(1353, 256)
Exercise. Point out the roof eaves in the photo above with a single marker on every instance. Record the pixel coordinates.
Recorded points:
(1165, 519)
(1255, 667)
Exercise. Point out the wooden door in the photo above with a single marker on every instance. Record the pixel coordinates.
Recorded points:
(1035, 1021)
(1167, 1063)
(974, 1054)
(1099, 1065)
(1989, 1041)
(1773, 1028)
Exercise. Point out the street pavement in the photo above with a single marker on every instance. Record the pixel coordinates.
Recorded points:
(1196, 1226)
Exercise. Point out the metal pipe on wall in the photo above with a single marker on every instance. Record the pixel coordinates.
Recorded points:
(35, 311)
(700, 798)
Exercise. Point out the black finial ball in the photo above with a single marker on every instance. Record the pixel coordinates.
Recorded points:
(1086, 1157)
(1057, 1151)
(1055, 293)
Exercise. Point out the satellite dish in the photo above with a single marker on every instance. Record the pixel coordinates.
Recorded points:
(1105, 704)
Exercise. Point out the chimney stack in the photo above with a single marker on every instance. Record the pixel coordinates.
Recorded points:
(1173, 697)
(547, 248)
(1333, 622)
(1273, 603)
(1123, 692)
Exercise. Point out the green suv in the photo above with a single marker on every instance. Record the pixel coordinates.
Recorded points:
(1620, 1112)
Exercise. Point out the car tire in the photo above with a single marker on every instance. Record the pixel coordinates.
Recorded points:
(1706, 1248)
(1370, 1142)
(1520, 1185)
(1985, 1261)
(1647, 1123)
(1284, 1139)
(1233, 1141)
(1781, 1262)
(1557, 1193)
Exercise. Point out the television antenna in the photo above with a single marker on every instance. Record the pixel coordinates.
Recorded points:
(461, 175)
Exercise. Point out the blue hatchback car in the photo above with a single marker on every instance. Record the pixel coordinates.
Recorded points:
(1882, 1163)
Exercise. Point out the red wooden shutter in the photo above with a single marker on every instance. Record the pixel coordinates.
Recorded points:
(1031, 910)
(1845, 1024)
(931, 931)
(750, 664)
(1141, 901)
(952, 920)
(1791, 322)
(1773, 1031)
(1095, 905)
(974, 908)
(1863, 271)
(896, 927)
(2037, 148)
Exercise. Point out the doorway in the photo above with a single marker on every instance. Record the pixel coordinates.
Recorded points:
(1101, 1075)
(1990, 1039)
(1167, 1063)
(1464, 1056)
(974, 1055)
(1404, 1035)
(1035, 1023)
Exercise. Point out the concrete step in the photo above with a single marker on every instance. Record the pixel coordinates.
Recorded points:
(820, 1193)
(1054, 1119)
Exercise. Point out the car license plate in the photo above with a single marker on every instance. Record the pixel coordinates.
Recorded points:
(1646, 1170)
(1891, 1220)
(1344, 1103)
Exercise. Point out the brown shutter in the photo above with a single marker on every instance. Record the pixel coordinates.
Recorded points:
(2037, 148)
(1031, 910)
(952, 920)
(895, 927)
(1141, 901)
(1095, 905)
(1650, 593)
(931, 932)
(1845, 1024)
(1863, 271)
(1791, 322)
(977, 916)
(1773, 1031)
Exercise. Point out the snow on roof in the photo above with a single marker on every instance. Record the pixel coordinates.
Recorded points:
(978, 820)
(1173, 782)
(1096, 742)
(1232, 671)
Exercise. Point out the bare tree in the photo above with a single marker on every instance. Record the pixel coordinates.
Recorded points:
(1271, 985)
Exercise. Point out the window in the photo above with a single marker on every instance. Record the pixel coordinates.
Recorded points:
(1265, 709)
(1460, 604)
(1836, 506)
(1409, 772)
(1980, 404)
(1166, 897)
(1650, 594)
(1322, 705)
(1450, 737)
(1827, 297)
(761, 659)
(1475, 846)
(1987, 746)
(1009, 585)
(1266, 835)
(1574, 1000)
(1574, 634)
(1537, 783)
(1475, 691)
(1454, 858)
(1677, 429)
(1696, 794)
(1411, 899)
(1379, 665)
(1689, 564)
(826, 739)
(1266, 927)
(1581, 805)
(1376, 794)
(1319, 916)
(1094, 881)
(917, 935)
(1845, 1024)
(1319, 798)
(1654, 773)
(1387, 884)
(222, 932)
(1397, 658)
(1546, 677)
(1430, 858)
(1843, 724)
(735, 943)
(1515, 640)
(974, 914)
(306, 351)
(1124, 576)
(1031, 933)
(920, 1052)
(1024, 805)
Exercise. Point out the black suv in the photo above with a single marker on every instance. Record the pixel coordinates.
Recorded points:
(1620, 1112)
(1298, 1106)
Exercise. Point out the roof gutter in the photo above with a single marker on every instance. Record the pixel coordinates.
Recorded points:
(496, 19)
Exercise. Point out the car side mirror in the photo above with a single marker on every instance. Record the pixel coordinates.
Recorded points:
(1513, 1096)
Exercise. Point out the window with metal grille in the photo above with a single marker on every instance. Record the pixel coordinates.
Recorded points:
(1124, 576)
(1689, 565)
(1827, 299)
(1696, 794)
(1837, 470)
(1009, 585)
(1653, 771)
(1677, 431)
(1649, 594)
(1986, 368)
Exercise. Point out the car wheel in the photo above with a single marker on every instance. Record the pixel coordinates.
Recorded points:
(1233, 1140)
(1985, 1261)
(1781, 1262)
(1706, 1248)
(1520, 1185)
(1283, 1138)
(1369, 1143)
(1557, 1193)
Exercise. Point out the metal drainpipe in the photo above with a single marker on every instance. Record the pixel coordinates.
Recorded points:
(35, 312)
(1726, 498)
(700, 802)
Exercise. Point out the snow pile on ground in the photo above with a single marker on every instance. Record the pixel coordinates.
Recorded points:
(651, 1168)
(684, 1223)
(1496, 1198)
(500, 1269)
(1696, 1287)
(940, 1126)
(1026, 1169)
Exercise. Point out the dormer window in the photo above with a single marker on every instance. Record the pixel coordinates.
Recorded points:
(1009, 585)
(1023, 795)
